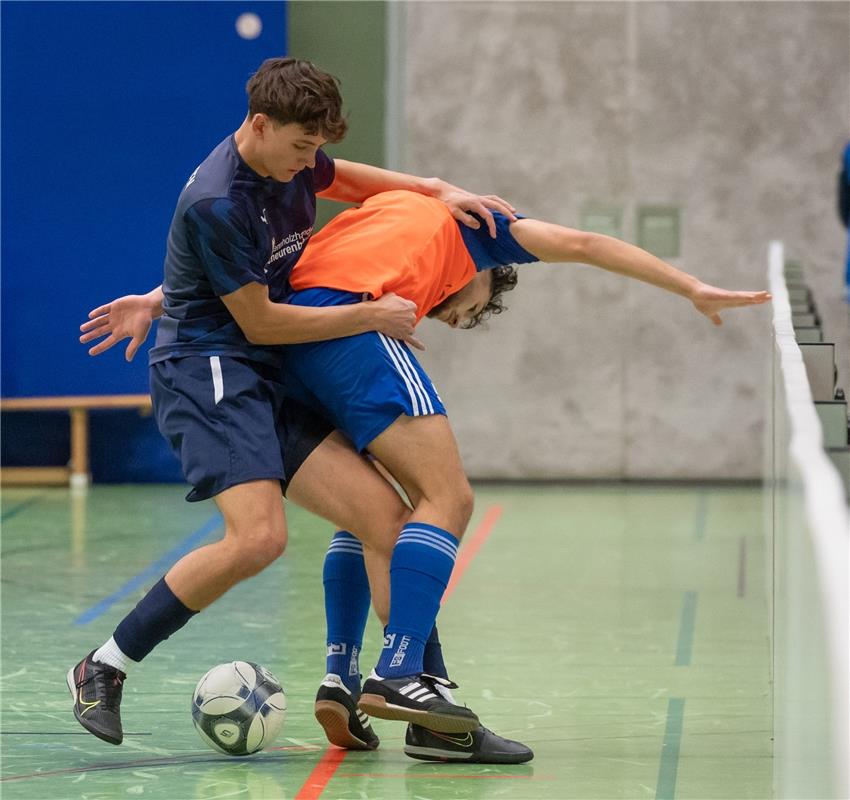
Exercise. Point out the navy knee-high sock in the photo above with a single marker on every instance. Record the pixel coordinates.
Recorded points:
(347, 599)
(156, 616)
(432, 659)
(422, 563)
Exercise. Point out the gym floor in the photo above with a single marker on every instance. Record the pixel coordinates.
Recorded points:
(620, 631)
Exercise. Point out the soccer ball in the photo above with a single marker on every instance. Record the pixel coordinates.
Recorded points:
(238, 708)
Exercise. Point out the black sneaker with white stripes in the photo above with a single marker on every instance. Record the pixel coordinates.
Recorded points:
(96, 689)
(480, 746)
(345, 725)
(415, 699)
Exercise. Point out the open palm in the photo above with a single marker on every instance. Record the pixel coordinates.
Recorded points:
(127, 317)
(711, 300)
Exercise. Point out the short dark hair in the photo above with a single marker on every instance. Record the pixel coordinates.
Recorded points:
(294, 90)
(504, 279)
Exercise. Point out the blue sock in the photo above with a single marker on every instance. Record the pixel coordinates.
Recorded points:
(432, 659)
(156, 616)
(421, 566)
(347, 599)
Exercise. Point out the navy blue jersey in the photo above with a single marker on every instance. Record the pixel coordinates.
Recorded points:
(231, 227)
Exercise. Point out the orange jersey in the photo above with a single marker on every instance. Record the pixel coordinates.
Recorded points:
(399, 241)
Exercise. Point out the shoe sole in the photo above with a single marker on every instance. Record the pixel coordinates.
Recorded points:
(72, 688)
(431, 754)
(376, 705)
(333, 717)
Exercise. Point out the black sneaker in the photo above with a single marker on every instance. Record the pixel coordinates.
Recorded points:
(415, 699)
(345, 725)
(96, 689)
(480, 746)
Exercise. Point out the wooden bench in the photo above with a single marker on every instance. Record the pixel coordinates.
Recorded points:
(77, 472)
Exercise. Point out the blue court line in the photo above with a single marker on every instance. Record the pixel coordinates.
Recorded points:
(686, 630)
(22, 506)
(702, 515)
(665, 788)
(742, 567)
(154, 570)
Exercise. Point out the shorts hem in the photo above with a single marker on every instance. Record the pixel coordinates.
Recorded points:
(196, 495)
(385, 423)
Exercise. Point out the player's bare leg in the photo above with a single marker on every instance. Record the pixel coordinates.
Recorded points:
(340, 485)
(422, 455)
(254, 536)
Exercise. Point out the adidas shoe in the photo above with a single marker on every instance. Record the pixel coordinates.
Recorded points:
(415, 699)
(480, 746)
(345, 725)
(96, 689)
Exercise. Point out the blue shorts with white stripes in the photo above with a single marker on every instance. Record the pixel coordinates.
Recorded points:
(363, 383)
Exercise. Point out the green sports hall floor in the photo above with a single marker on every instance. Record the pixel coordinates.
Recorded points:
(619, 631)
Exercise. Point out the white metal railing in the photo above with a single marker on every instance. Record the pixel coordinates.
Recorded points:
(810, 535)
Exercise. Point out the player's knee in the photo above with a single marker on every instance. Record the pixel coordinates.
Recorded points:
(256, 551)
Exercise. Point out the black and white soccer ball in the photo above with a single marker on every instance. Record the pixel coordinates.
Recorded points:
(238, 708)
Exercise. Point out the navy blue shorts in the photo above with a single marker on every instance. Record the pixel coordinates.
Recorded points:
(228, 422)
(363, 383)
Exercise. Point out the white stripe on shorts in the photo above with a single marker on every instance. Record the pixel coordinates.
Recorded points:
(218, 379)
(409, 373)
(404, 355)
(413, 400)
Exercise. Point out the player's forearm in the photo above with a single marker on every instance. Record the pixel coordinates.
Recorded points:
(354, 182)
(288, 324)
(626, 259)
(555, 243)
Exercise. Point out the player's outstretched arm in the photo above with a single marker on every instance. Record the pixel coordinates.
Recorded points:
(128, 317)
(555, 243)
(354, 182)
(265, 322)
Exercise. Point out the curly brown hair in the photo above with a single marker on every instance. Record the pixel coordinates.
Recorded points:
(294, 90)
(504, 280)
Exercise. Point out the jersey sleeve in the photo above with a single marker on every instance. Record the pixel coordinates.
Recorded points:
(221, 238)
(488, 252)
(324, 172)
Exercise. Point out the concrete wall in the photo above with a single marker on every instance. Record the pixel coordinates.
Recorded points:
(736, 113)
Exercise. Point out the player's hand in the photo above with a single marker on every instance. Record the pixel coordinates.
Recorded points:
(395, 317)
(463, 204)
(128, 317)
(710, 300)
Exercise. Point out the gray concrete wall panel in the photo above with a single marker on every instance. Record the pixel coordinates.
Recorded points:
(736, 113)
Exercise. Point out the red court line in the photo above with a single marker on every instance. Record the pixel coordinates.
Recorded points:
(321, 776)
(471, 548)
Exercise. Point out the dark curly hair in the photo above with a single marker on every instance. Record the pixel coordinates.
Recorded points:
(504, 279)
(293, 90)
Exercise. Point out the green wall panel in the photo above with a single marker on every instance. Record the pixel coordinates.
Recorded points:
(349, 40)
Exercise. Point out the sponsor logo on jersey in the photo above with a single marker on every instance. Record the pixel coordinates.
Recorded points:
(293, 243)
